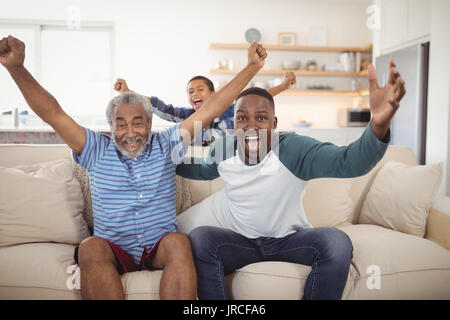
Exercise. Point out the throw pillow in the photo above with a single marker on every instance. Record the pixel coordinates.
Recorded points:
(401, 196)
(41, 203)
(83, 178)
(327, 202)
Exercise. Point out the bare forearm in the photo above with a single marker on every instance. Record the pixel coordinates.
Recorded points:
(277, 90)
(40, 101)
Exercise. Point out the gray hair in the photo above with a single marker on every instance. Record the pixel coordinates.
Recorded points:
(127, 98)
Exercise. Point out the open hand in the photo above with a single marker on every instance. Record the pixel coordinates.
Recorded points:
(12, 52)
(256, 54)
(121, 86)
(385, 101)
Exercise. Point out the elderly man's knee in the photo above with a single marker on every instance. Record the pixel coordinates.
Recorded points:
(176, 244)
(94, 249)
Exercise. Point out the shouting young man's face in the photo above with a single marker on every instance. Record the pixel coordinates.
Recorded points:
(254, 121)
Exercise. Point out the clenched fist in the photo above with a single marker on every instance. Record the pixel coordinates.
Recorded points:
(289, 79)
(121, 86)
(12, 52)
(256, 54)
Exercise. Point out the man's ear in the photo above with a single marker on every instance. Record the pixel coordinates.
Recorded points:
(275, 122)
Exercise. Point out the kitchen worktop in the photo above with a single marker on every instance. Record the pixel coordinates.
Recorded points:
(42, 129)
(46, 134)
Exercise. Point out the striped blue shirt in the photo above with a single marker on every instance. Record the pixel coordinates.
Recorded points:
(133, 200)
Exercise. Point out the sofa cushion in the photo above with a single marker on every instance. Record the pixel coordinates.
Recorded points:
(142, 285)
(401, 197)
(39, 271)
(327, 202)
(200, 190)
(36, 271)
(409, 267)
(275, 280)
(41, 203)
(268, 280)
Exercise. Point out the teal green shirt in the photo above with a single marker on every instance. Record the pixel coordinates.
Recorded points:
(265, 199)
(306, 157)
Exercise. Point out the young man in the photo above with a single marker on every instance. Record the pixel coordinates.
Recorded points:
(265, 174)
(132, 176)
(199, 89)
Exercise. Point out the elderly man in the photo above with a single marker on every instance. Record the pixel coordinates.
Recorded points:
(132, 176)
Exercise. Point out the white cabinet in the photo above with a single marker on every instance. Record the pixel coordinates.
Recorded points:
(403, 22)
(393, 22)
(418, 21)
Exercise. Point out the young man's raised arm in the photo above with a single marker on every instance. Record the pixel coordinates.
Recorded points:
(308, 158)
(220, 101)
(12, 56)
(289, 80)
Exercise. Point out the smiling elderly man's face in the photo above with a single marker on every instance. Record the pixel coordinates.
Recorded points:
(131, 129)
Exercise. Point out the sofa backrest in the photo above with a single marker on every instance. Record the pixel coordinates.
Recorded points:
(25, 154)
(315, 195)
(13, 155)
(318, 189)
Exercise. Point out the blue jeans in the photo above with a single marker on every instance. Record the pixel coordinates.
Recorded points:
(218, 252)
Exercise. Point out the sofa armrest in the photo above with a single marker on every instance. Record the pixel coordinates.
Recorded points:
(442, 203)
(438, 223)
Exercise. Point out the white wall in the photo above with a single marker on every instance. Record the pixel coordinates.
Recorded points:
(438, 115)
(438, 121)
(160, 45)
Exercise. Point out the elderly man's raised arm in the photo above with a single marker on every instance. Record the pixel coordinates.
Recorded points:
(12, 56)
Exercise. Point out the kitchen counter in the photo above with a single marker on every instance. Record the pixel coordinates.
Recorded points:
(47, 128)
(46, 134)
(42, 129)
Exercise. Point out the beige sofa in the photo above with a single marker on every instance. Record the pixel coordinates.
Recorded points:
(386, 264)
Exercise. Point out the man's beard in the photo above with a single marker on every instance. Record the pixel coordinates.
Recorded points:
(132, 154)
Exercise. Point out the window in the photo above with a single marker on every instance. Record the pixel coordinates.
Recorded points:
(76, 66)
(10, 97)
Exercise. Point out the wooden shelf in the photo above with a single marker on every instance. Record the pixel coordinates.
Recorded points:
(276, 47)
(364, 92)
(296, 72)
(325, 93)
(361, 93)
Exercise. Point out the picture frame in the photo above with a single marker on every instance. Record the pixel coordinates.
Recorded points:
(287, 38)
(317, 36)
